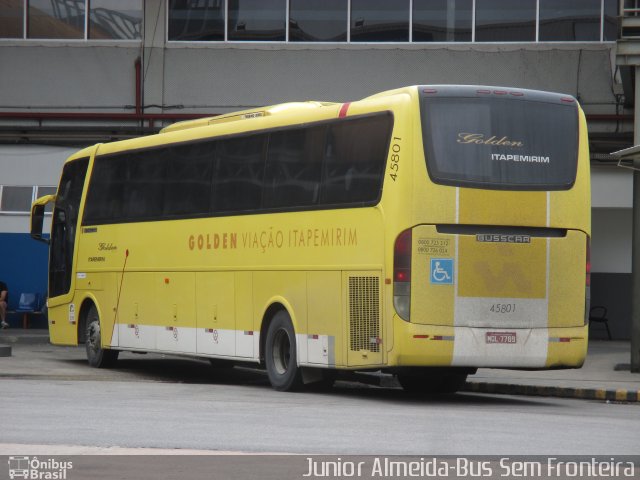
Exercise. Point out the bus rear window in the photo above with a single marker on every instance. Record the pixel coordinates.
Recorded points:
(500, 143)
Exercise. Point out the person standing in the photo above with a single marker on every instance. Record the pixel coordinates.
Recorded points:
(4, 301)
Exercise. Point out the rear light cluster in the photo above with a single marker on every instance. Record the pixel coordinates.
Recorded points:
(402, 275)
(587, 282)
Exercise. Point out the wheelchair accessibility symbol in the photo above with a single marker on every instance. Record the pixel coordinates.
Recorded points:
(442, 271)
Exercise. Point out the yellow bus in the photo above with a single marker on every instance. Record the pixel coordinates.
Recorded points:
(425, 231)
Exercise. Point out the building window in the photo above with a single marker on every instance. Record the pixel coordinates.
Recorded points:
(318, 20)
(70, 19)
(64, 20)
(45, 190)
(196, 20)
(442, 20)
(16, 199)
(569, 20)
(379, 21)
(505, 21)
(257, 20)
(41, 191)
(397, 21)
(610, 21)
(115, 20)
(11, 20)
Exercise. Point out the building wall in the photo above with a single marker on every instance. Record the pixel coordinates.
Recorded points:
(215, 79)
(59, 76)
(259, 76)
(611, 269)
(611, 219)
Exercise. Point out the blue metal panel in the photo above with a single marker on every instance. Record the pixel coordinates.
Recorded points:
(23, 267)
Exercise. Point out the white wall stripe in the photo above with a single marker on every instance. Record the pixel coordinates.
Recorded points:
(313, 350)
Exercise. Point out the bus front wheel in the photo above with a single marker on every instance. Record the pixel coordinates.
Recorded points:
(96, 355)
(280, 354)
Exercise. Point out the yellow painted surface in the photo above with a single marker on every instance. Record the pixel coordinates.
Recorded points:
(175, 299)
(568, 354)
(572, 208)
(138, 299)
(422, 351)
(61, 331)
(502, 270)
(500, 207)
(215, 300)
(105, 298)
(286, 287)
(430, 304)
(567, 281)
(324, 312)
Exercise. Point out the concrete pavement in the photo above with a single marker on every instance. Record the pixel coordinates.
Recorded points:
(604, 376)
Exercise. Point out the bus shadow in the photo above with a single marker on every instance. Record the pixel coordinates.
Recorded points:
(397, 395)
(158, 368)
(169, 369)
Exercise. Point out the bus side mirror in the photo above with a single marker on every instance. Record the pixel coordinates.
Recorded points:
(37, 217)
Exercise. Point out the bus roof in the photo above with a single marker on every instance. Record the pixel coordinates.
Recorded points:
(85, 152)
(245, 114)
(479, 90)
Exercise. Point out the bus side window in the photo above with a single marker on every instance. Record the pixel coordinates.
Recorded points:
(355, 154)
(144, 192)
(188, 179)
(294, 167)
(104, 202)
(239, 173)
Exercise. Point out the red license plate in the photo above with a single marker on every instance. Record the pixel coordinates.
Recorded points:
(500, 337)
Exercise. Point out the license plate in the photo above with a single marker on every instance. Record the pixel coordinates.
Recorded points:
(500, 337)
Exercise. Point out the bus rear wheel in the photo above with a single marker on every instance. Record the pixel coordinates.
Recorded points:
(97, 356)
(280, 354)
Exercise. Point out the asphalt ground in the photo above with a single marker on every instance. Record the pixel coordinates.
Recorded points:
(604, 376)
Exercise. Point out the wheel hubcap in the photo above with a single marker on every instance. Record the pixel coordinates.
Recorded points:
(94, 333)
(281, 352)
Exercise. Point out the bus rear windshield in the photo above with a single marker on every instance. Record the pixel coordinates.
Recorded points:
(500, 143)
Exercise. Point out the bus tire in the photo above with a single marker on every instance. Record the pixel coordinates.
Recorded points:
(435, 383)
(97, 356)
(280, 354)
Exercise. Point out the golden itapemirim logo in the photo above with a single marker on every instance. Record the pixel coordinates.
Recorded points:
(265, 240)
(493, 140)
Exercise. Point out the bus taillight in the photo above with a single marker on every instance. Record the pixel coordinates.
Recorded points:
(402, 275)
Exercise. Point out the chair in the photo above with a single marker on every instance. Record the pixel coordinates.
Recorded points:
(29, 304)
(598, 314)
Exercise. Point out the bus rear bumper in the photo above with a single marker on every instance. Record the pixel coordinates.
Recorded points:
(526, 348)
